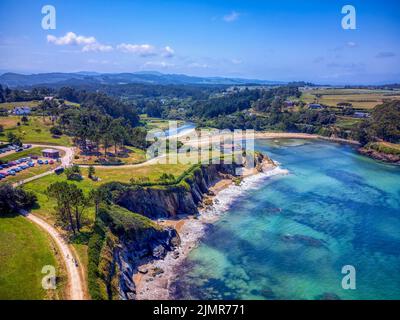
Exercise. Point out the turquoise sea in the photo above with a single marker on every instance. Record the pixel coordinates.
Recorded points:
(290, 237)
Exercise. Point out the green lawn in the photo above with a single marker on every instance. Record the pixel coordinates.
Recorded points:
(360, 98)
(46, 206)
(32, 103)
(36, 131)
(132, 156)
(156, 123)
(347, 123)
(11, 105)
(24, 250)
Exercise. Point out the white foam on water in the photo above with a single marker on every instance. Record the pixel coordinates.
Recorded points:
(194, 229)
(224, 199)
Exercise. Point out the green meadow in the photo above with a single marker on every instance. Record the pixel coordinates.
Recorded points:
(24, 250)
(37, 130)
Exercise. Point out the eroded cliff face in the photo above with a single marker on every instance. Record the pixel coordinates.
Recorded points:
(123, 240)
(126, 238)
(129, 255)
(166, 202)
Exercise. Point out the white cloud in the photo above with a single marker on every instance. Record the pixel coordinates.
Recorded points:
(71, 38)
(90, 44)
(233, 16)
(97, 47)
(143, 50)
(351, 44)
(168, 52)
(87, 43)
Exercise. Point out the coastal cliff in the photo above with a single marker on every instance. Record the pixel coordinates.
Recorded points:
(124, 235)
(121, 241)
(182, 197)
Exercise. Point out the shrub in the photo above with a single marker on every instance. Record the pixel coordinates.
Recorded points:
(13, 199)
(56, 131)
(73, 173)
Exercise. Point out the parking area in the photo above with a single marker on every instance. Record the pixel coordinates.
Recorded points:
(10, 149)
(19, 166)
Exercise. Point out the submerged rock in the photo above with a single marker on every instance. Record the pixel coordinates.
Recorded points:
(307, 240)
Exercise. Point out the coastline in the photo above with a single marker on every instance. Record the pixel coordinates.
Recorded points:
(295, 135)
(269, 135)
(153, 279)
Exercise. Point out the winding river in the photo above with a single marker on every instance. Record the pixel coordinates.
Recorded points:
(290, 237)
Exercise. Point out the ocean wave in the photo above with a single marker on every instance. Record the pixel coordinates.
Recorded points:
(226, 197)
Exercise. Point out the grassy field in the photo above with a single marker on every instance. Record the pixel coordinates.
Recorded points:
(360, 98)
(385, 147)
(24, 250)
(11, 105)
(347, 123)
(132, 156)
(156, 123)
(46, 206)
(36, 131)
(32, 103)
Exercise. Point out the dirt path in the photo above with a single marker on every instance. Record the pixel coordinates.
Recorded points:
(75, 284)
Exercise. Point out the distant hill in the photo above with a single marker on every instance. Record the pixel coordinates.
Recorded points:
(147, 77)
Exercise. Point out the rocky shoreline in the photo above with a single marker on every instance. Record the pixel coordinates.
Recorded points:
(153, 279)
(380, 156)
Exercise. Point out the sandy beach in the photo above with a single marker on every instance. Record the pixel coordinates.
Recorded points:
(153, 279)
(214, 137)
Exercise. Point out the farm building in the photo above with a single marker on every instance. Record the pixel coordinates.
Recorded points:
(21, 111)
(51, 153)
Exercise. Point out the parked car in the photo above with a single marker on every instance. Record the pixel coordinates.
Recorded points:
(31, 164)
(19, 150)
(17, 169)
(13, 163)
(11, 172)
(4, 173)
(40, 161)
(46, 161)
(51, 162)
(34, 157)
(59, 170)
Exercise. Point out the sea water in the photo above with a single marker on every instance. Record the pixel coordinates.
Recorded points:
(288, 236)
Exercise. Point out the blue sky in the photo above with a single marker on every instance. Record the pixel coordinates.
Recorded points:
(274, 40)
